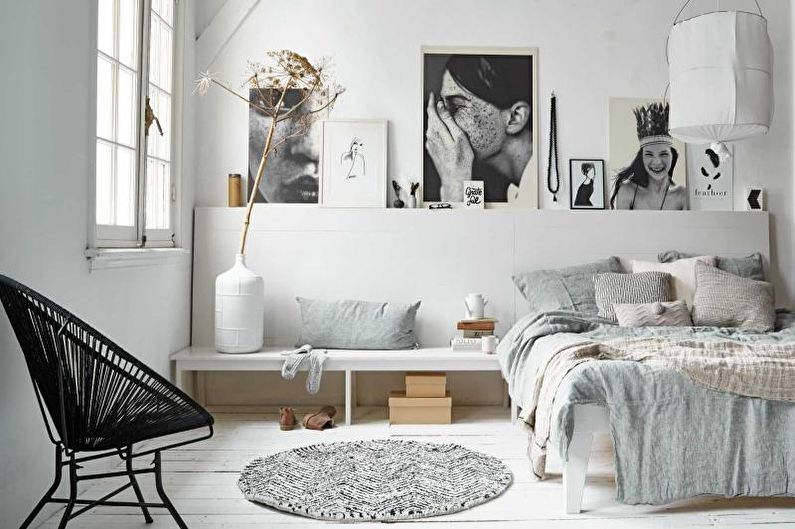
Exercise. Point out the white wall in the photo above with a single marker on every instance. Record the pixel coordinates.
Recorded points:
(45, 60)
(589, 51)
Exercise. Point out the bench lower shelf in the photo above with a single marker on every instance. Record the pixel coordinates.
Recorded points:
(192, 360)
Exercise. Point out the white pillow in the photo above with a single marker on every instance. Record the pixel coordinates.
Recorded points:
(683, 272)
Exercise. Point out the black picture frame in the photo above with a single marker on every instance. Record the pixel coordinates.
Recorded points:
(598, 193)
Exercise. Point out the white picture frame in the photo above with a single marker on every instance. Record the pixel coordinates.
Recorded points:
(710, 178)
(354, 163)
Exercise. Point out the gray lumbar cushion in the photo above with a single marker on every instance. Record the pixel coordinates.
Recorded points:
(660, 314)
(645, 287)
(352, 324)
(726, 300)
(750, 267)
(564, 288)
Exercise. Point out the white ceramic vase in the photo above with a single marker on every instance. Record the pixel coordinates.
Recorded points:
(412, 202)
(239, 309)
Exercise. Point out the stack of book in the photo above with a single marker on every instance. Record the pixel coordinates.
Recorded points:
(469, 332)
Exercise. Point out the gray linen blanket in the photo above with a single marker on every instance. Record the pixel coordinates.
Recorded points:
(673, 437)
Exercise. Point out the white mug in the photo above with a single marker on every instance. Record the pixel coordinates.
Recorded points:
(488, 344)
(475, 306)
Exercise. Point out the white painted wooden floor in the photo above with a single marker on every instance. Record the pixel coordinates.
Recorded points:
(201, 481)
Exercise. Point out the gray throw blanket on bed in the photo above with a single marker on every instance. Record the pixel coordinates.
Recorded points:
(676, 434)
(750, 370)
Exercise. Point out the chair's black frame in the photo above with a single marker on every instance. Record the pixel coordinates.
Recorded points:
(68, 454)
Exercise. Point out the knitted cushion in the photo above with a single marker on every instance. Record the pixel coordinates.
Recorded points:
(647, 287)
(668, 314)
(726, 300)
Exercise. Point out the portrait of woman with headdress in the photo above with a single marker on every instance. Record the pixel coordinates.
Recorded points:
(648, 182)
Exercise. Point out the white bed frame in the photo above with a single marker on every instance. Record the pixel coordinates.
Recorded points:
(439, 257)
(589, 419)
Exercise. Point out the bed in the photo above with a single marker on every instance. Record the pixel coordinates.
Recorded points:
(675, 436)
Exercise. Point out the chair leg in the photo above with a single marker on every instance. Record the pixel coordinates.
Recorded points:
(67, 512)
(136, 488)
(162, 493)
(47, 495)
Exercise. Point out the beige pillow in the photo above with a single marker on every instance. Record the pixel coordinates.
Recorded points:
(682, 271)
(726, 300)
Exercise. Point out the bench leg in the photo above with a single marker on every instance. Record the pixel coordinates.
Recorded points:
(348, 397)
(575, 469)
(184, 380)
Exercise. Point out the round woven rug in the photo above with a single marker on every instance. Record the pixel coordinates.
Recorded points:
(374, 480)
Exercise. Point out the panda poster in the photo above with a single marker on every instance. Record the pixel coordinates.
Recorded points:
(710, 178)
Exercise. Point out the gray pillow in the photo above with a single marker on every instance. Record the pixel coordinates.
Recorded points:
(750, 267)
(354, 324)
(726, 300)
(645, 287)
(662, 314)
(568, 288)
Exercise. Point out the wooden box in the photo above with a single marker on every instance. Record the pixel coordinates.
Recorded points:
(407, 410)
(423, 385)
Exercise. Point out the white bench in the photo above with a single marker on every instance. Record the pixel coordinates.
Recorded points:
(200, 359)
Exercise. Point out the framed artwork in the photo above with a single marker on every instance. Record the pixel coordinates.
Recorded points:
(710, 178)
(587, 184)
(474, 194)
(354, 163)
(293, 171)
(466, 95)
(648, 167)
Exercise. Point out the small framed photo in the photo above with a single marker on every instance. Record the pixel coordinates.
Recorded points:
(587, 184)
(474, 194)
(354, 166)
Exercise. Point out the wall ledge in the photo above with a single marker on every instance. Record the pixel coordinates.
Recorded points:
(106, 258)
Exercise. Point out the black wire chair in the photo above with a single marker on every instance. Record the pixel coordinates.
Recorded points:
(99, 398)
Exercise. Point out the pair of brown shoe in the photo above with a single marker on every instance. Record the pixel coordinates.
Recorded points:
(320, 420)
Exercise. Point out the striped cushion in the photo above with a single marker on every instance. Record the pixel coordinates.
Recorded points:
(726, 300)
(646, 287)
(670, 314)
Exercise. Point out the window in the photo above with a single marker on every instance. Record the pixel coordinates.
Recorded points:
(134, 187)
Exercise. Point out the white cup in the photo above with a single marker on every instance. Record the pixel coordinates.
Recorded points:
(488, 344)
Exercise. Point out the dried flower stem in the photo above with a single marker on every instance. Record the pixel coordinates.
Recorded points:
(261, 169)
(283, 72)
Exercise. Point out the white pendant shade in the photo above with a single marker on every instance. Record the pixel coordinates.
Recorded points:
(721, 73)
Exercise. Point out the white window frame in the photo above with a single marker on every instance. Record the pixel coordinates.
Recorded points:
(138, 236)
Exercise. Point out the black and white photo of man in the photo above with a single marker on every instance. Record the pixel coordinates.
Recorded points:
(479, 124)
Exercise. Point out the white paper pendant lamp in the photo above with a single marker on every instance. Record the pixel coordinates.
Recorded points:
(721, 74)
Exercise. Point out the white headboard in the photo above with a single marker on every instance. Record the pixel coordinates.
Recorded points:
(436, 256)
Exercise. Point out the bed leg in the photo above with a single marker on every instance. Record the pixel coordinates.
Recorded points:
(574, 470)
